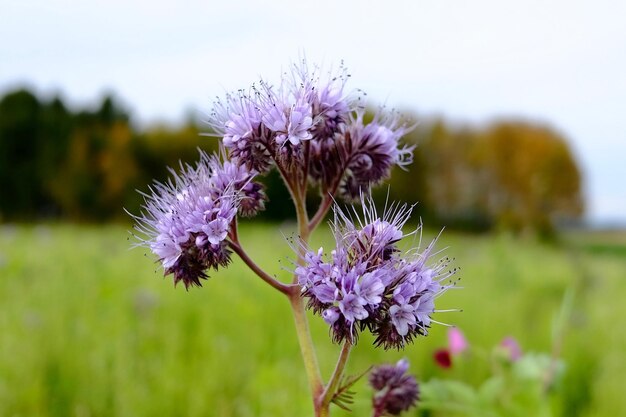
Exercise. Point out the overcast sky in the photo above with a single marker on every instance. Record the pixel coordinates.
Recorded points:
(559, 62)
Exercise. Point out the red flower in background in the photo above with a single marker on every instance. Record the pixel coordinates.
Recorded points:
(457, 344)
(443, 358)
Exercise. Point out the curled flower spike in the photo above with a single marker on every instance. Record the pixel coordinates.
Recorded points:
(186, 221)
(237, 120)
(313, 130)
(230, 174)
(367, 284)
(371, 150)
(395, 391)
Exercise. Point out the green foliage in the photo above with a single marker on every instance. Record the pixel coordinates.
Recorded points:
(511, 175)
(515, 389)
(87, 329)
(86, 165)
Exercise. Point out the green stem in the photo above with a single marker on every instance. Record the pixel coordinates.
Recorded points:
(306, 344)
(333, 383)
(307, 348)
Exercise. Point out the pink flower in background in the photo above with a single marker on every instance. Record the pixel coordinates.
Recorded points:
(510, 344)
(456, 341)
(457, 344)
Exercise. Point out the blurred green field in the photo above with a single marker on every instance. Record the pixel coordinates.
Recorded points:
(90, 328)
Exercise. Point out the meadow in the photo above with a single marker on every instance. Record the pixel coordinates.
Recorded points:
(89, 327)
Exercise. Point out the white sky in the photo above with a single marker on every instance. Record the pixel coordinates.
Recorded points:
(559, 62)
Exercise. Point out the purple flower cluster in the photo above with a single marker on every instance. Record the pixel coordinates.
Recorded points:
(186, 220)
(395, 391)
(308, 125)
(367, 284)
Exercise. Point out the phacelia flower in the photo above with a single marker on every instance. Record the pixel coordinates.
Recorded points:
(371, 150)
(394, 390)
(313, 130)
(330, 104)
(230, 174)
(186, 221)
(289, 120)
(367, 284)
(237, 120)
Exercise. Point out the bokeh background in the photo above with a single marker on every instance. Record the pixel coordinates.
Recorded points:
(520, 155)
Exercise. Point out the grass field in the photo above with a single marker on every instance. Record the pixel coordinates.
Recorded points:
(88, 328)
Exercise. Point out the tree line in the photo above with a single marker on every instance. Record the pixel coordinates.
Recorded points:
(86, 165)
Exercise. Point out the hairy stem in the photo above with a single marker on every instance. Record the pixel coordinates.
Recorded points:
(307, 348)
(333, 383)
(305, 174)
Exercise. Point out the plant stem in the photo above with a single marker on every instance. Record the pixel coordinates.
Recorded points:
(307, 349)
(327, 201)
(284, 288)
(306, 344)
(305, 174)
(333, 383)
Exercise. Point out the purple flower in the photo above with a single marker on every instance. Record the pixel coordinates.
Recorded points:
(330, 104)
(186, 221)
(394, 390)
(367, 284)
(237, 120)
(290, 122)
(231, 174)
(402, 317)
(312, 129)
(371, 150)
(287, 115)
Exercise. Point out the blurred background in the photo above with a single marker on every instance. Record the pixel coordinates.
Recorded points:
(520, 155)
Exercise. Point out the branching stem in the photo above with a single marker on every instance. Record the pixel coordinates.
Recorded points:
(284, 288)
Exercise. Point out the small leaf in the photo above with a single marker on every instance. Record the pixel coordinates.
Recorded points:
(343, 395)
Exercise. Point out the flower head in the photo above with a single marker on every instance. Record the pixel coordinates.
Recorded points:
(230, 174)
(290, 119)
(237, 120)
(371, 150)
(330, 104)
(186, 221)
(395, 391)
(312, 128)
(367, 284)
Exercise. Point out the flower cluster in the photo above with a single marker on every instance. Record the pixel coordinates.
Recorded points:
(367, 284)
(312, 130)
(395, 391)
(186, 220)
